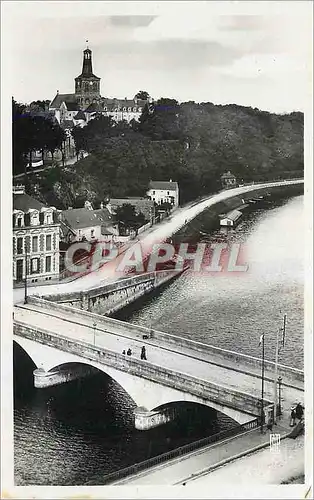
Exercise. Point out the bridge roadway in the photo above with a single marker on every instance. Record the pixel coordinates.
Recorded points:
(116, 336)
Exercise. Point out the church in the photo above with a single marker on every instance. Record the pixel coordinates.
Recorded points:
(86, 102)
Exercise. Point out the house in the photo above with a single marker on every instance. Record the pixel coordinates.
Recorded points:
(36, 233)
(231, 219)
(228, 180)
(86, 224)
(164, 192)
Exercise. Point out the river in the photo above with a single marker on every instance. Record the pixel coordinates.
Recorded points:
(80, 431)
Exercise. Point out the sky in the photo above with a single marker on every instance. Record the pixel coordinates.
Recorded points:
(250, 53)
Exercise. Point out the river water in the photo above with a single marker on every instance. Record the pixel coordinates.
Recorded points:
(80, 431)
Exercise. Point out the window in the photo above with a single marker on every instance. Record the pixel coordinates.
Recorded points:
(92, 233)
(35, 266)
(168, 192)
(105, 109)
(153, 192)
(134, 109)
(139, 110)
(35, 244)
(35, 219)
(19, 245)
(129, 110)
(124, 109)
(48, 242)
(48, 264)
(19, 222)
(48, 218)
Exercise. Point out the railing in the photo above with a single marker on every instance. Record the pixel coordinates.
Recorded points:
(177, 452)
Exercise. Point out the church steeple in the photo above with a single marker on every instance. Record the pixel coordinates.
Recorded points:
(87, 85)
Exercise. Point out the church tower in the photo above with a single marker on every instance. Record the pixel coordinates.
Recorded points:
(87, 85)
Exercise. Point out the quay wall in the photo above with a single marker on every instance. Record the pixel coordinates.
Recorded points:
(108, 299)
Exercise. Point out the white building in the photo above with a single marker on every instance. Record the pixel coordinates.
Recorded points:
(231, 219)
(164, 192)
(36, 232)
(79, 224)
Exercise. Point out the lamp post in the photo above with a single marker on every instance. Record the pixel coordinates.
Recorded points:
(279, 396)
(25, 281)
(94, 326)
(263, 369)
(276, 379)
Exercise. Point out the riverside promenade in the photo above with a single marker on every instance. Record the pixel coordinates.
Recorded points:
(199, 465)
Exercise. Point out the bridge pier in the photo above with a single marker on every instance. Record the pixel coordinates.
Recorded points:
(43, 379)
(145, 420)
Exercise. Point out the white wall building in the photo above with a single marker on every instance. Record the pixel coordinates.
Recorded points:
(164, 192)
(36, 233)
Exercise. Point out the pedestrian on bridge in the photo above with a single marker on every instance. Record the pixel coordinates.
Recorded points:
(299, 411)
(143, 353)
(292, 416)
(129, 352)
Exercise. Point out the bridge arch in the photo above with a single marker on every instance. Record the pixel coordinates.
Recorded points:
(145, 393)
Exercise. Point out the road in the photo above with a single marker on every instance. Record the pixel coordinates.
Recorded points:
(265, 466)
(156, 234)
(117, 338)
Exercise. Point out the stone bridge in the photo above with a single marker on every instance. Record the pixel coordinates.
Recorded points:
(65, 343)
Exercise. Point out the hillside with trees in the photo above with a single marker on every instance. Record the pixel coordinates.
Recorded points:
(191, 143)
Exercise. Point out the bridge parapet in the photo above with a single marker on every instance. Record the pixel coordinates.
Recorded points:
(203, 389)
(290, 375)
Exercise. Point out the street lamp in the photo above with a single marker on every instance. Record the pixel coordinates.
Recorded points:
(25, 281)
(262, 340)
(279, 396)
(276, 379)
(94, 326)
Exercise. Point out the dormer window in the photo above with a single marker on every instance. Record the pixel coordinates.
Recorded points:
(124, 109)
(105, 109)
(49, 218)
(129, 110)
(134, 110)
(139, 110)
(35, 219)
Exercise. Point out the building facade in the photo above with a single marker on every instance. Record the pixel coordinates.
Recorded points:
(88, 100)
(164, 192)
(228, 180)
(36, 233)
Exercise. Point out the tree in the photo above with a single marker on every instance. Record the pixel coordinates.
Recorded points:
(128, 219)
(142, 94)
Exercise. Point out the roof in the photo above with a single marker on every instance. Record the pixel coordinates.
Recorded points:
(79, 116)
(233, 215)
(168, 185)
(227, 174)
(79, 218)
(94, 107)
(24, 202)
(71, 106)
(60, 98)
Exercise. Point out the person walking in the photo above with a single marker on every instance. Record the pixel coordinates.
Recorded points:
(299, 411)
(292, 416)
(129, 352)
(143, 353)
(123, 352)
